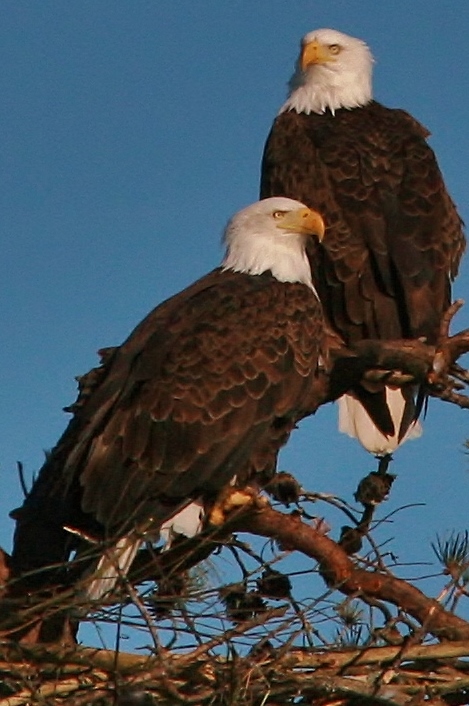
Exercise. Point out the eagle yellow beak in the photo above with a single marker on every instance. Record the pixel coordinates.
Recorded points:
(314, 53)
(303, 220)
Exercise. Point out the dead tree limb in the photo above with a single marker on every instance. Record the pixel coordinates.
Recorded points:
(341, 572)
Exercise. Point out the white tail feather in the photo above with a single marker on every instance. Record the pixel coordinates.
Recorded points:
(118, 559)
(355, 421)
(114, 563)
(187, 522)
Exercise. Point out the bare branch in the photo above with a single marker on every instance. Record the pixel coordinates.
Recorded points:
(339, 571)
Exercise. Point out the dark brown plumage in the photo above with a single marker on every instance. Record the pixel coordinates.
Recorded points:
(207, 388)
(394, 238)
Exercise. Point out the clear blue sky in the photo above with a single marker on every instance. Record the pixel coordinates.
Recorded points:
(130, 132)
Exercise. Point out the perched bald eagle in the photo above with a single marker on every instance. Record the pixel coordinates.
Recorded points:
(394, 238)
(204, 392)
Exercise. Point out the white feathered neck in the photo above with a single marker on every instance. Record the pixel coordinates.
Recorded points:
(255, 245)
(342, 83)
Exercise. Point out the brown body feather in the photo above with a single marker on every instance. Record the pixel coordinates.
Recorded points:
(394, 239)
(207, 387)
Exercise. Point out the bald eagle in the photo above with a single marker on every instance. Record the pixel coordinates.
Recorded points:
(202, 394)
(394, 238)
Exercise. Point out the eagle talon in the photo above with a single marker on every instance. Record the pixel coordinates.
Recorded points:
(235, 499)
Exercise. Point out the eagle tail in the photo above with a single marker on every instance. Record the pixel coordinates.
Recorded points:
(113, 564)
(118, 559)
(355, 421)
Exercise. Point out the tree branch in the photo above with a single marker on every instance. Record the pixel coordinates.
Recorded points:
(339, 571)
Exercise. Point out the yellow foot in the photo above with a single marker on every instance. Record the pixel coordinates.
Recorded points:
(233, 499)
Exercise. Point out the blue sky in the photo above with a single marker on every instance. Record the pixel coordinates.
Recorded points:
(131, 131)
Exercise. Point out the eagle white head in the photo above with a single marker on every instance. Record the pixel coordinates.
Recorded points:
(271, 235)
(333, 71)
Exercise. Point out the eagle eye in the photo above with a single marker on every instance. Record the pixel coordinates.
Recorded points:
(278, 214)
(334, 48)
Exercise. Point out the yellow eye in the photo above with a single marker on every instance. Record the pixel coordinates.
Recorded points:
(278, 214)
(334, 48)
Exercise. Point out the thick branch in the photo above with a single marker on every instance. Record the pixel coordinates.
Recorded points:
(339, 570)
(434, 366)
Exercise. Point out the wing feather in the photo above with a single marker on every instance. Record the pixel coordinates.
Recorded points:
(390, 222)
(393, 236)
(195, 396)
